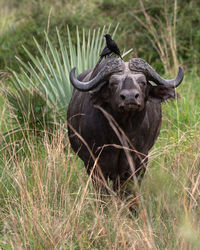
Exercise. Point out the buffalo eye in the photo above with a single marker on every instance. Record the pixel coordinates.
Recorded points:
(113, 84)
(142, 83)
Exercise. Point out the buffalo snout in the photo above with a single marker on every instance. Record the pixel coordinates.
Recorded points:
(130, 97)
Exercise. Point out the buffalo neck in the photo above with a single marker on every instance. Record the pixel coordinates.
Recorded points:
(127, 119)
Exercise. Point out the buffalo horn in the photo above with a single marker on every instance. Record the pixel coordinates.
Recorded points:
(112, 66)
(140, 65)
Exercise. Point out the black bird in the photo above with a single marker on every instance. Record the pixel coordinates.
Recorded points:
(105, 52)
(111, 47)
(111, 44)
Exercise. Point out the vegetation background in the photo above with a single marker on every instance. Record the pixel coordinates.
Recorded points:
(47, 201)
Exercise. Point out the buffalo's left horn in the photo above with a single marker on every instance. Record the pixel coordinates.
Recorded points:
(113, 65)
(84, 86)
(140, 65)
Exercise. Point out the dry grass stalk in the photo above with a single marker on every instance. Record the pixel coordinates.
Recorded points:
(162, 35)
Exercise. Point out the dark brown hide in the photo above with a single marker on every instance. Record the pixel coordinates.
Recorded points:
(122, 110)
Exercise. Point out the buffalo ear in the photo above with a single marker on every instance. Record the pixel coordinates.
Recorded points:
(161, 93)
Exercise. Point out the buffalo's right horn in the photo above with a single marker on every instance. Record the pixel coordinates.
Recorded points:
(140, 65)
(112, 66)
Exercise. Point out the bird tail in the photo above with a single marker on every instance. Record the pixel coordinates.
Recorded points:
(99, 61)
(95, 68)
(121, 57)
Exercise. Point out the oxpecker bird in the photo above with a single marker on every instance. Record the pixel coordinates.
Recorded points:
(112, 46)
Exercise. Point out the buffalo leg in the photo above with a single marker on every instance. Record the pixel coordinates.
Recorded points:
(127, 184)
(99, 181)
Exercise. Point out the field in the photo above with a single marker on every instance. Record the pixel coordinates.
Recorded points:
(48, 202)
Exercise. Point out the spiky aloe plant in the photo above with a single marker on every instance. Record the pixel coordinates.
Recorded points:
(48, 76)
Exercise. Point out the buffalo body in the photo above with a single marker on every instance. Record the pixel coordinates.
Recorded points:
(114, 118)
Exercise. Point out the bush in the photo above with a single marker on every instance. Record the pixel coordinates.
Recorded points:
(29, 18)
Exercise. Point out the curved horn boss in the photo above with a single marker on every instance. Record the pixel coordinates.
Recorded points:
(110, 66)
(140, 65)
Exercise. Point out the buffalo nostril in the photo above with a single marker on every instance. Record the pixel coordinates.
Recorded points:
(136, 96)
(123, 97)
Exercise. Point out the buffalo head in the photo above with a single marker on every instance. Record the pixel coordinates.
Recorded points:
(126, 86)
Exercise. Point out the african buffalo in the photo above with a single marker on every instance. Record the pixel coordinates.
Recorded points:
(114, 118)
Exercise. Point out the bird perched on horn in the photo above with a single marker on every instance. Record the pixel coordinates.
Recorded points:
(112, 46)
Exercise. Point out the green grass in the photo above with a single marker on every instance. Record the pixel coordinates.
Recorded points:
(22, 20)
(47, 200)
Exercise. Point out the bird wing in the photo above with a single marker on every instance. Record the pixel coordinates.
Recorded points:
(106, 51)
(115, 47)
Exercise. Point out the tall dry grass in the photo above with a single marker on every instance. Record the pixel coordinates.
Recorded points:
(48, 202)
(162, 33)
